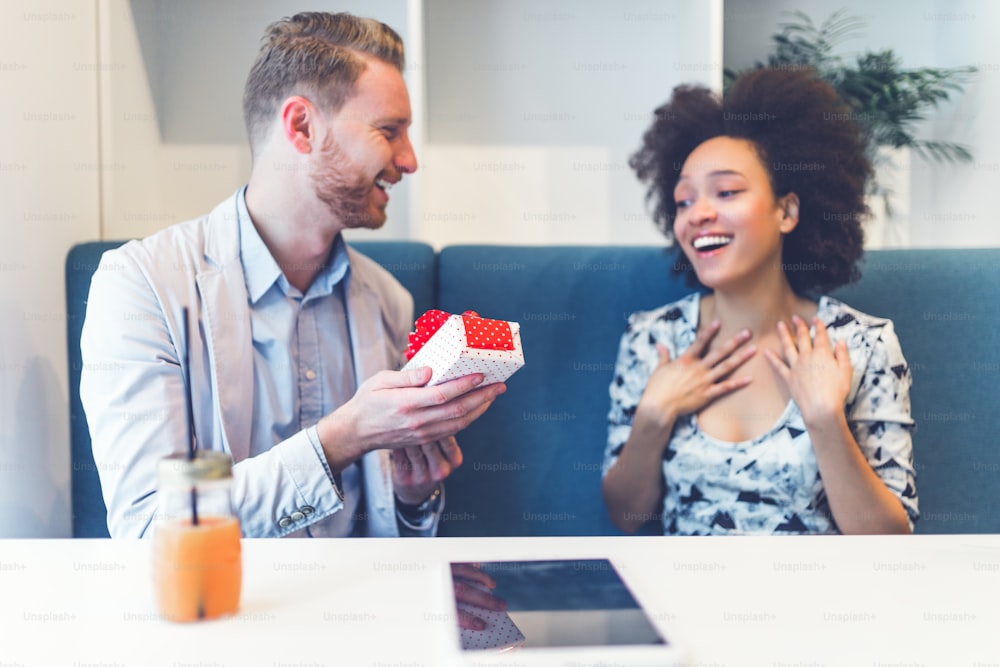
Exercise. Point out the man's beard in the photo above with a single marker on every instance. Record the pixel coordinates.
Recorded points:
(347, 200)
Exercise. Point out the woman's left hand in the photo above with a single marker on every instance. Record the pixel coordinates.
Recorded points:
(817, 375)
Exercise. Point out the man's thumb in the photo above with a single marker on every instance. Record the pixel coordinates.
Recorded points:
(411, 377)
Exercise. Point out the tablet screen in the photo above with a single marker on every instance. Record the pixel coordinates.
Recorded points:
(558, 603)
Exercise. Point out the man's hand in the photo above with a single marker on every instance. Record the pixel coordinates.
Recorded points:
(393, 410)
(417, 470)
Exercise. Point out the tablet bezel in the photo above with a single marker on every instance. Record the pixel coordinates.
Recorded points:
(631, 655)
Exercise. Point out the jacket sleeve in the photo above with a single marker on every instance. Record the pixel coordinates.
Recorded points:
(132, 390)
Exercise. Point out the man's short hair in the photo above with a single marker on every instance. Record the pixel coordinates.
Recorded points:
(317, 55)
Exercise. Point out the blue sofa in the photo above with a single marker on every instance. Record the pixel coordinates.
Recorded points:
(533, 461)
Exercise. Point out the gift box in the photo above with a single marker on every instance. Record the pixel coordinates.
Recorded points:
(457, 345)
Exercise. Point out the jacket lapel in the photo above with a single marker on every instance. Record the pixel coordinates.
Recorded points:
(227, 326)
(370, 357)
(229, 343)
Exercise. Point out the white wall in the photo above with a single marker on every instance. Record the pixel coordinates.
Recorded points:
(960, 207)
(172, 129)
(533, 109)
(48, 185)
(940, 205)
(151, 183)
(530, 109)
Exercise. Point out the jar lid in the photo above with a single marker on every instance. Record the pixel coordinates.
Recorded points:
(207, 465)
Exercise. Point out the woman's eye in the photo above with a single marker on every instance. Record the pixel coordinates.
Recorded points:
(728, 193)
(683, 203)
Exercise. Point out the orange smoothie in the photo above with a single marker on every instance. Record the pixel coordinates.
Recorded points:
(197, 570)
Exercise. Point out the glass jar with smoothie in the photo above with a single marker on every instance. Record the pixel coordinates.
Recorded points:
(197, 564)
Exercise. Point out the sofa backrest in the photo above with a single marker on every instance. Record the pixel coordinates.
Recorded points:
(532, 462)
(89, 512)
(943, 303)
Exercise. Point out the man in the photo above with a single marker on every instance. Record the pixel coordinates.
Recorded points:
(293, 334)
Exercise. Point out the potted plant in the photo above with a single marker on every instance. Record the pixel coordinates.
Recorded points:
(887, 99)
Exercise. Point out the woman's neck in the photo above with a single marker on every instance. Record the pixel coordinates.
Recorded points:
(758, 309)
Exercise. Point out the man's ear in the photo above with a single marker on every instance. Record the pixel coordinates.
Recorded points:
(298, 122)
(789, 205)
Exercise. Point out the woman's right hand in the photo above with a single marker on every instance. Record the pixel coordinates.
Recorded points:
(634, 484)
(687, 384)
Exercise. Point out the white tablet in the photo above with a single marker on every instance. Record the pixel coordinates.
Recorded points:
(575, 613)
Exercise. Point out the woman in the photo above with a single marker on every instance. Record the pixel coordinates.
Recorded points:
(755, 405)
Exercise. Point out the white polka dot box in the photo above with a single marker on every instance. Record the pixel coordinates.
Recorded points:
(457, 345)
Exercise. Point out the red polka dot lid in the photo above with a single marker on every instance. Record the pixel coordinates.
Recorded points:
(480, 333)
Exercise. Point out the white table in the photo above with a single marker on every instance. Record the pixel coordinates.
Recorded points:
(738, 602)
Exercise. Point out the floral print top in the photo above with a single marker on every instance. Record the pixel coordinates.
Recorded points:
(770, 484)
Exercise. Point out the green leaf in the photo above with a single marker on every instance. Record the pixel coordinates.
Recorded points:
(888, 100)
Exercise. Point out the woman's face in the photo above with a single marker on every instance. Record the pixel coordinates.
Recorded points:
(728, 223)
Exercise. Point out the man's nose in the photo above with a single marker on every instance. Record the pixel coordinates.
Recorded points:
(405, 160)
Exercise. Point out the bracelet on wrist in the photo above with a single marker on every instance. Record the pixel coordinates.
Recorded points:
(422, 508)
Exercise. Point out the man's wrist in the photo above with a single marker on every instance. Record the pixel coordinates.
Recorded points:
(336, 444)
(413, 512)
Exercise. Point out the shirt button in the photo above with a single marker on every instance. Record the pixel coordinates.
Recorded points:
(307, 509)
(310, 374)
(284, 522)
(297, 516)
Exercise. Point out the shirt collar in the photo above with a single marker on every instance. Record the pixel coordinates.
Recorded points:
(337, 269)
(261, 272)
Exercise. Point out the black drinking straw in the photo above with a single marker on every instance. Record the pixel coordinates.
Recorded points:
(190, 412)
(189, 406)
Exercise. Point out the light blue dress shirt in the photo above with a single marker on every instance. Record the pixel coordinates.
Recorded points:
(303, 367)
